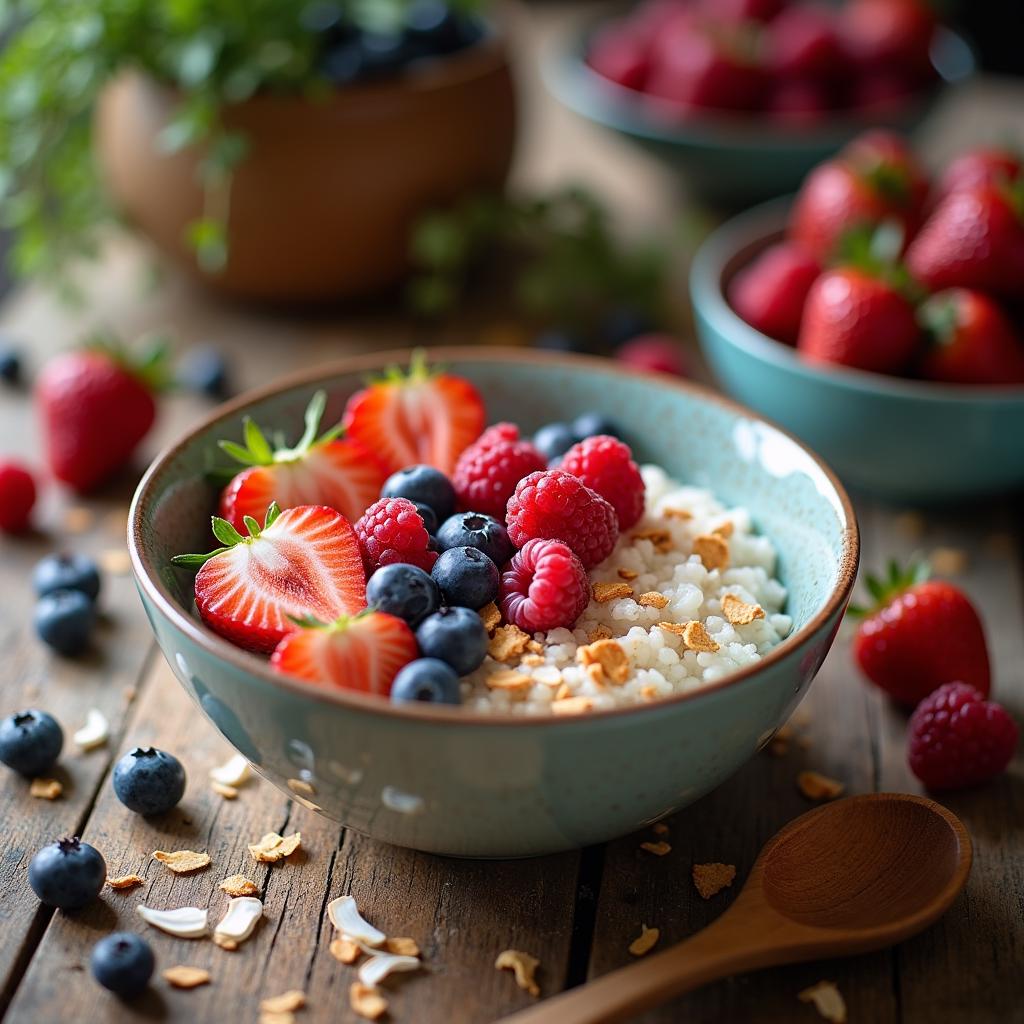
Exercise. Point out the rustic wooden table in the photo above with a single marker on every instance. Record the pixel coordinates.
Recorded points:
(577, 912)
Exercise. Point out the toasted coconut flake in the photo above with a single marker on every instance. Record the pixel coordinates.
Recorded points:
(230, 945)
(648, 692)
(301, 787)
(491, 615)
(186, 977)
(523, 966)
(233, 772)
(816, 786)
(948, 561)
(659, 828)
(724, 530)
(287, 1002)
(115, 562)
(367, 1002)
(605, 592)
(694, 635)
(532, 660)
(239, 885)
(681, 514)
(713, 878)
(45, 789)
(228, 792)
(77, 519)
(535, 647)
(599, 632)
(507, 643)
(95, 732)
(239, 920)
(738, 612)
(272, 847)
(572, 705)
(344, 949)
(562, 692)
(661, 539)
(652, 599)
(126, 881)
(827, 1000)
(609, 657)
(402, 945)
(712, 550)
(181, 862)
(628, 575)
(515, 684)
(373, 971)
(345, 916)
(596, 675)
(659, 849)
(185, 922)
(645, 942)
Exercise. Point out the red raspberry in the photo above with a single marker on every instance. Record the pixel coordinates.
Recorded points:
(606, 465)
(391, 530)
(17, 496)
(958, 739)
(544, 587)
(489, 469)
(558, 506)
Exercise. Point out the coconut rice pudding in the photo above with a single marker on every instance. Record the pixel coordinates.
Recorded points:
(688, 595)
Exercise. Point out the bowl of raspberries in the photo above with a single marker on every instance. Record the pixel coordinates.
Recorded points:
(879, 315)
(743, 97)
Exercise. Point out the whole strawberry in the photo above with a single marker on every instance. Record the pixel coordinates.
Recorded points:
(770, 293)
(96, 405)
(920, 634)
(959, 739)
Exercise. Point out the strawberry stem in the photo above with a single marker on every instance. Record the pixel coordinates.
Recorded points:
(229, 537)
(258, 451)
(887, 588)
(151, 366)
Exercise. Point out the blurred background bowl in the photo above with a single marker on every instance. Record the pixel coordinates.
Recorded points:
(899, 439)
(733, 159)
(323, 204)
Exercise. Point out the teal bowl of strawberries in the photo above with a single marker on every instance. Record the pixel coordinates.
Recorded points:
(878, 316)
(492, 641)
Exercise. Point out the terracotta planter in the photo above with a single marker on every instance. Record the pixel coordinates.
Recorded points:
(322, 205)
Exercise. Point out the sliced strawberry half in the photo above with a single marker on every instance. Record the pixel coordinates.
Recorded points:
(422, 417)
(362, 653)
(324, 470)
(303, 562)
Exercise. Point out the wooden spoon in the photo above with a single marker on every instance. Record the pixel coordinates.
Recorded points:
(852, 876)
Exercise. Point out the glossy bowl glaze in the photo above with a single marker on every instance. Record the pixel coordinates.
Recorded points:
(905, 440)
(733, 159)
(454, 782)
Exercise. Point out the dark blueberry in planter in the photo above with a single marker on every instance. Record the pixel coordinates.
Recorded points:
(424, 485)
(590, 424)
(426, 679)
(65, 620)
(205, 371)
(66, 572)
(122, 963)
(149, 781)
(385, 53)
(67, 874)
(30, 742)
(403, 590)
(475, 530)
(623, 324)
(455, 636)
(554, 440)
(10, 365)
(467, 577)
(436, 25)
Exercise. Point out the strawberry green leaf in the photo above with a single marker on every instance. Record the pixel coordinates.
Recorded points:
(258, 451)
(238, 453)
(272, 513)
(896, 580)
(195, 561)
(251, 525)
(225, 532)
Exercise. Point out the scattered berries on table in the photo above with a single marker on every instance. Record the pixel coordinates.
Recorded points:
(920, 634)
(476, 530)
(17, 497)
(30, 742)
(66, 571)
(204, 370)
(555, 505)
(423, 485)
(553, 440)
(606, 466)
(466, 577)
(392, 530)
(958, 739)
(487, 472)
(149, 781)
(403, 590)
(428, 680)
(589, 424)
(656, 353)
(122, 963)
(456, 636)
(65, 620)
(67, 874)
(10, 365)
(544, 587)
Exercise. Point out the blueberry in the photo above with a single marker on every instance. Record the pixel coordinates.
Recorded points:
(205, 370)
(561, 341)
(66, 572)
(426, 679)
(343, 63)
(590, 424)
(403, 590)
(64, 620)
(10, 365)
(67, 874)
(554, 440)
(384, 53)
(30, 742)
(623, 324)
(454, 635)
(435, 25)
(149, 781)
(424, 485)
(475, 530)
(428, 516)
(467, 577)
(122, 963)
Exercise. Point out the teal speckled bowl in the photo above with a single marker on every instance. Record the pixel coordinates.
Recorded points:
(454, 782)
(904, 440)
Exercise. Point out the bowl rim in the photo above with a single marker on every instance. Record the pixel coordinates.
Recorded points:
(244, 661)
(729, 248)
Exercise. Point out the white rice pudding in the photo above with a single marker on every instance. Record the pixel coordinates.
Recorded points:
(671, 585)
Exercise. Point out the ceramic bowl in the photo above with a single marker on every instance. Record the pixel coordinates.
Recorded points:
(733, 159)
(455, 782)
(322, 205)
(905, 440)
